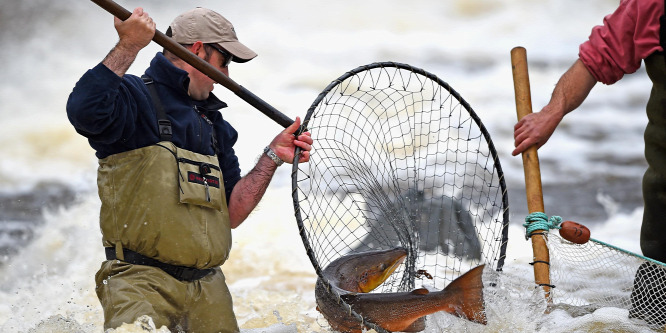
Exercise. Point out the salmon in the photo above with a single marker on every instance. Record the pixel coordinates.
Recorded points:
(354, 276)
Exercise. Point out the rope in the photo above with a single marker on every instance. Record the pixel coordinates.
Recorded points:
(628, 252)
(539, 221)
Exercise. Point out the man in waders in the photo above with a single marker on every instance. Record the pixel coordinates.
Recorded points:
(635, 32)
(169, 180)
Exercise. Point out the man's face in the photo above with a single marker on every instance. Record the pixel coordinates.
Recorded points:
(200, 84)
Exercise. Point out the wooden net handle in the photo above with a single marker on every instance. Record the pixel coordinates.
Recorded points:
(533, 189)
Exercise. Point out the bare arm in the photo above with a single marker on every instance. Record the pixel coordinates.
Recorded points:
(569, 93)
(251, 188)
(134, 34)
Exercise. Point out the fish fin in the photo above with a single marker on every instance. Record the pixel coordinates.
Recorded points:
(318, 308)
(417, 326)
(420, 291)
(465, 296)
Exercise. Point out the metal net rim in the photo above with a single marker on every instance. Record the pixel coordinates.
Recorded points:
(295, 170)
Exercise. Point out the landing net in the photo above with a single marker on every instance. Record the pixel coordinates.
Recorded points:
(401, 159)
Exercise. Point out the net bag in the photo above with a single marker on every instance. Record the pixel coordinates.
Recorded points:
(400, 159)
(621, 279)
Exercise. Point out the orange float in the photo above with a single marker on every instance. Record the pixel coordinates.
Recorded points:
(574, 232)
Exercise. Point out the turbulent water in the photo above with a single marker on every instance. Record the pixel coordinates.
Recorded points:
(50, 245)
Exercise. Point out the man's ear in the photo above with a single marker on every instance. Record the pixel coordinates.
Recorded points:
(198, 49)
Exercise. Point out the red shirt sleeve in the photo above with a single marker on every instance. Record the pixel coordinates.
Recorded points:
(628, 36)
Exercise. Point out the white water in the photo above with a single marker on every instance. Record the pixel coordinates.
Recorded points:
(303, 45)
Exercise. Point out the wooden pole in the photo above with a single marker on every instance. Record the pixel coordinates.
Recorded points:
(521, 82)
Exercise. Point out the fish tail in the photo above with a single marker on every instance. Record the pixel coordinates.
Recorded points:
(465, 296)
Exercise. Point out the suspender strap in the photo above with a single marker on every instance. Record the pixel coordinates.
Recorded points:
(163, 123)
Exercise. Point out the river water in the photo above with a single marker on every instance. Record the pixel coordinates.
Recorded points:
(49, 234)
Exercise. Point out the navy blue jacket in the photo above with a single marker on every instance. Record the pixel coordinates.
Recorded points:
(117, 115)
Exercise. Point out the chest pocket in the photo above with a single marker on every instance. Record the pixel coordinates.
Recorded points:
(200, 180)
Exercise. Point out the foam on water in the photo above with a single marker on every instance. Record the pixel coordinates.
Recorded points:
(49, 285)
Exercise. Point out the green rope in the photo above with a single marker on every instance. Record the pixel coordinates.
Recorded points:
(628, 252)
(539, 221)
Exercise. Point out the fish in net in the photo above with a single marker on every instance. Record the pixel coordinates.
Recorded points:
(400, 159)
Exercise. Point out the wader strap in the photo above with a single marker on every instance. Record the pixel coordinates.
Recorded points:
(163, 123)
(179, 272)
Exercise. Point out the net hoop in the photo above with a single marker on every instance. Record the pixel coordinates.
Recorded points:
(502, 239)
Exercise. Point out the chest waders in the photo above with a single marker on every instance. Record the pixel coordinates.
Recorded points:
(647, 301)
(164, 206)
(653, 230)
(164, 217)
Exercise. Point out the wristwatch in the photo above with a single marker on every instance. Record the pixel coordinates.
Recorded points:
(270, 153)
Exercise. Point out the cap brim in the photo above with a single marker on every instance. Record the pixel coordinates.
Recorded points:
(240, 52)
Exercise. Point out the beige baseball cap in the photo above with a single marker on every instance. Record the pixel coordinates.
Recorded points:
(209, 27)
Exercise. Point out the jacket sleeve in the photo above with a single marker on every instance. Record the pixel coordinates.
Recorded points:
(103, 107)
(231, 171)
(627, 36)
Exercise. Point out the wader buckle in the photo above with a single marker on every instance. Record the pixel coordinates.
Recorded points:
(164, 127)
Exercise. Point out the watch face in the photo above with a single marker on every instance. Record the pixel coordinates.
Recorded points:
(270, 153)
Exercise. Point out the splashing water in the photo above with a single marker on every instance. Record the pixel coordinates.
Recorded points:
(46, 279)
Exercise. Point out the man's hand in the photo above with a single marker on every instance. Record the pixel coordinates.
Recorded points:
(570, 91)
(136, 32)
(284, 143)
(535, 129)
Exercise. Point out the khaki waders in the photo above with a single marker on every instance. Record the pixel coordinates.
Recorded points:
(165, 205)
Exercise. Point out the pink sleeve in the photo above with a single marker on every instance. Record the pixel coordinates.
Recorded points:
(628, 36)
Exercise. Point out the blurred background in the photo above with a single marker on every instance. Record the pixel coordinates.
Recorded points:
(50, 246)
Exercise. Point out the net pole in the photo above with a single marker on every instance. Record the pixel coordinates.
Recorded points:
(521, 82)
(203, 66)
